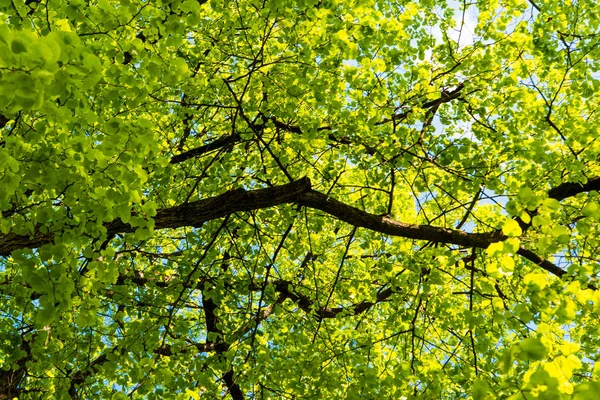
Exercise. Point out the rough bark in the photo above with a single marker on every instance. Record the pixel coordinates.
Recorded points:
(196, 213)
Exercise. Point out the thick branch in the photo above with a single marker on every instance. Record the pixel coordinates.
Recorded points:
(188, 214)
(386, 225)
(197, 212)
(11, 241)
(570, 189)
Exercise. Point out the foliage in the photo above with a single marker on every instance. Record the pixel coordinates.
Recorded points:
(299, 199)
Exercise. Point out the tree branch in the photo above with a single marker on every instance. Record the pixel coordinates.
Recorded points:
(570, 189)
(387, 225)
(545, 264)
(306, 304)
(223, 141)
(212, 328)
(196, 213)
(188, 214)
(230, 140)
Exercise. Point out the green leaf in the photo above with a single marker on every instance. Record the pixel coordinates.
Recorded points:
(353, 163)
(525, 194)
(481, 390)
(551, 204)
(495, 248)
(586, 391)
(511, 228)
(149, 208)
(591, 209)
(18, 46)
(532, 349)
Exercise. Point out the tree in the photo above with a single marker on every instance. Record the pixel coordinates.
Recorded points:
(303, 199)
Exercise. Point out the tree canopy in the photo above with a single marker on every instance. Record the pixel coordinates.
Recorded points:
(305, 199)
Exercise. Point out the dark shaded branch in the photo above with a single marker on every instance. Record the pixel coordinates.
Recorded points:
(79, 377)
(281, 286)
(213, 330)
(560, 193)
(545, 264)
(189, 214)
(166, 349)
(223, 141)
(11, 379)
(234, 389)
(307, 304)
(11, 241)
(446, 97)
(196, 213)
(387, 225)
(570, 189)
(3, 121)
(534, 5)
